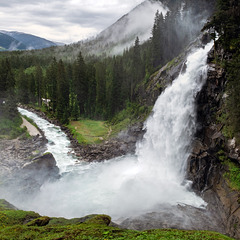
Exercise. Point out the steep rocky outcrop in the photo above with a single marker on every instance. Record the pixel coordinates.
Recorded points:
(24, 167)
(148, 91)
(206, 168)
(40, 169)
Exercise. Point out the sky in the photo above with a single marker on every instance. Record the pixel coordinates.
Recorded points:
(63, 21)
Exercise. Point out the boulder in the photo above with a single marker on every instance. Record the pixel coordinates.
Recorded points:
(40, 222)
(41, 169)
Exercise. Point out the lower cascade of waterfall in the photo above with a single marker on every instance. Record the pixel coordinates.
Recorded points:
(135, 184)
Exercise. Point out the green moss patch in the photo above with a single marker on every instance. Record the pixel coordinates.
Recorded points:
(4, 205)
(233, 175)
(25, 225)
(10, 128)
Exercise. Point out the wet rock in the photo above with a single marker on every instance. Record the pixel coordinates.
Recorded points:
(43, 168)
(205, 168)
(179, 217)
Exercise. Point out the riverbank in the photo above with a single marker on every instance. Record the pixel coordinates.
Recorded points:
(124, 143)
(32, 130)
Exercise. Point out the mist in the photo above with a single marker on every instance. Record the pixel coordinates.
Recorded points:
(130, 185)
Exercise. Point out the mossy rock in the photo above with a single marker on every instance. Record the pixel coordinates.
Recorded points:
(13, 217)
(42, 221)
(4, 205)
(99, 219)
(64, 221)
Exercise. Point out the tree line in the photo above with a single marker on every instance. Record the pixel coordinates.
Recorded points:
(96, 87)
(226, 23)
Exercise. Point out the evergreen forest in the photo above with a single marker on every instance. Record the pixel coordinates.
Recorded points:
(96, 87)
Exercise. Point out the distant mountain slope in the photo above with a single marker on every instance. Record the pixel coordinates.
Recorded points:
(22, 41)
(122, 34)
(9, 43)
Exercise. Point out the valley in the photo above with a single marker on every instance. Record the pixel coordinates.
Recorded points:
(142, 128)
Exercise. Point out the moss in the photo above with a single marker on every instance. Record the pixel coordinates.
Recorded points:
(4, 205)
(99, 219)
(64, 221)
(233, 175)
(22, 225)
(99, 232)
(13, 217)
(222, 155)
(10, 128)
(41, 221)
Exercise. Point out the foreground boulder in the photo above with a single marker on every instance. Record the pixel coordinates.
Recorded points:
(40, 170)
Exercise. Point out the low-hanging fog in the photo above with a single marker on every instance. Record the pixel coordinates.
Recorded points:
(130, 185)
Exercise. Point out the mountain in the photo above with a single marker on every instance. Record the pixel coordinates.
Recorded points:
(9, 43)
(21, 41)
(139, 23)
(122, 34)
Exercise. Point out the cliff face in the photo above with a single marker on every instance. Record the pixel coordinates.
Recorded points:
(206, 166)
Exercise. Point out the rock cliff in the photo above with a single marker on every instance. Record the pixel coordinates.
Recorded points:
(206, 167)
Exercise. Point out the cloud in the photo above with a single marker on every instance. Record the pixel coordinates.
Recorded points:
(63, 21)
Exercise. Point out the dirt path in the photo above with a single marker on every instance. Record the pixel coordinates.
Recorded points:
(32, 130)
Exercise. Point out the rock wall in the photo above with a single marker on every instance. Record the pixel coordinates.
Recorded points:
(205, 168)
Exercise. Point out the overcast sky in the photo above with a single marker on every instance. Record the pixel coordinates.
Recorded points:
(62, 20)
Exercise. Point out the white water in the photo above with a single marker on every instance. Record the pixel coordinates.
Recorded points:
(58, 144)
(132, 185)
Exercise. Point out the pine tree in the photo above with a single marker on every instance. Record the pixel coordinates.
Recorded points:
(39, 81)
(51, 79)
(115, 103)
(62, 94)
(22, 87)
(100, 88)
(156, 40)
(80, 83)
(136, 67)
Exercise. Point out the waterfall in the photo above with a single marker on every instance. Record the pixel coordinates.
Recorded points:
(140, 183)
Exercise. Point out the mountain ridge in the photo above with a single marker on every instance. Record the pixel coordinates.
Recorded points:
(14, 40)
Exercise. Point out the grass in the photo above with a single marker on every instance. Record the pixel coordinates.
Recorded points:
(132, 114)
(89, 131)
(23, 225)
(233, 175)
(31, 121)
(10, 128)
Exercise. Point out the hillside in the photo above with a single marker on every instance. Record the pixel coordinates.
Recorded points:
(122, 34)
(18, 224)
(122, 90)
(10, 43)
(22, 41)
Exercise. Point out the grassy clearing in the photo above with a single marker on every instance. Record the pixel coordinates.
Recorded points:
(23, 225)
(89, 131)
